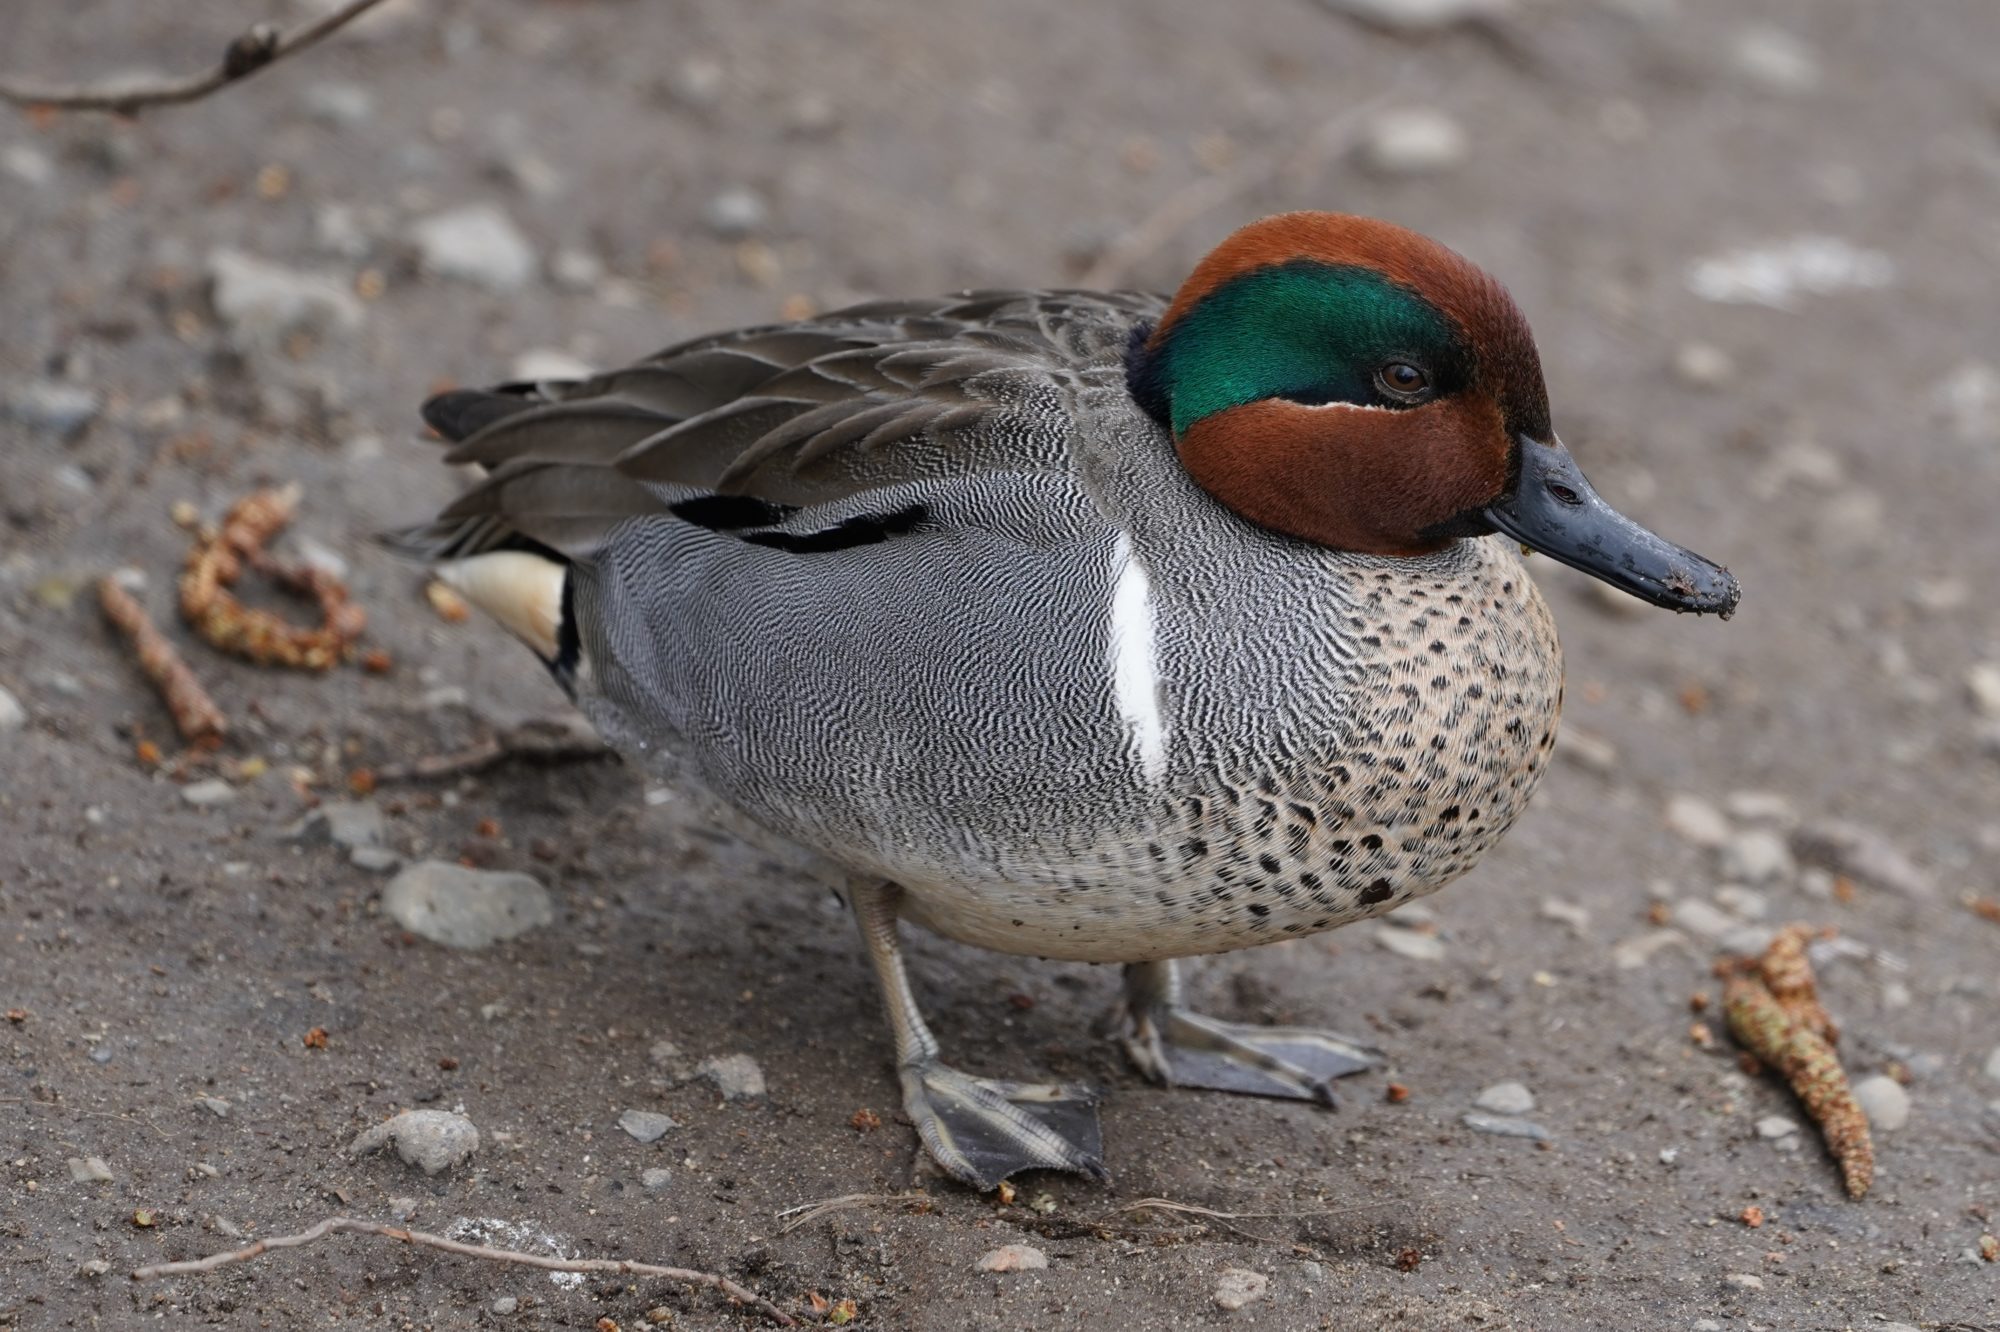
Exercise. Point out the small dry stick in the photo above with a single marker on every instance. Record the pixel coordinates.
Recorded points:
(217, 561)
(538, 740)
(1773, 1010)
(195, 715)
(347, 1225)
(261, 46)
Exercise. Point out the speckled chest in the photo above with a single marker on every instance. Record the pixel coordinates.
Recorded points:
(1373, 793)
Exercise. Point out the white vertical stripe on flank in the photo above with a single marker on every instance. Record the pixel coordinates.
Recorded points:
(1135, 680)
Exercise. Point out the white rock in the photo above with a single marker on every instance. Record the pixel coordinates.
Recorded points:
(1416, 946)
(737, 212)
(477, 243)
(656, 1179)
(465, 908)
(215, 1105)
(12, 715)
(1775, 60)
(737, 1076)
(1703, 365)
(27, 164)
(1757, 855)
(1696, 820)
(431, 1140)
(1414, 17)
(1884, 1101)
(1568, 913)
(89, 1170)
(345, 823)
(263, 302)
(1413, 141)
(1702, 919)
(1633, 953)
(1012, 1258)
(646, 1125)
(1506, 1098)
(505, 1305)
(1772, 1127)
(208, 794)
(1238, 1286)
(1992, 1069)
(1586, 749)
(1505, 1126)
(1982, 682)
(1777, 274)
(1745, 1280)
(97, 1267)
(541, 364)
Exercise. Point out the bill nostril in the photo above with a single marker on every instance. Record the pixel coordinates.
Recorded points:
(1564, 493)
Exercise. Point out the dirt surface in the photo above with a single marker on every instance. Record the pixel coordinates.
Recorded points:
(1841, 455)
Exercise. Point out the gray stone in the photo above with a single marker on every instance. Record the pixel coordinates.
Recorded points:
(1238, 1286)
(1884, 1101)
(1772, 1127)
(262, 302)
(27, 164)
(1992, 1068)
(96, 1267)
(1012, 1258)
(53, 407)
(1702, 919)
(1745, 1280)
(340, 105)
(1413, 141)
(215, 1105)
(656, 1179)
(1863, 855)
(13, 716)
(647, 1125)
(465, 908)
(505, 1305)
(1757, 855)
(1412, 18)
(1506, 1098)
(431, 1140)
(347, 823)
(1982, 683)
(208, 794)
(1695, 820)
(737, 212)
(89, 1170)
(737, 1076)
(403, 1209)
(477, 243)
(1506, 1126)
(1775, 60)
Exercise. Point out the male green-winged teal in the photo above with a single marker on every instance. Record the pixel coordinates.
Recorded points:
(1074, 624)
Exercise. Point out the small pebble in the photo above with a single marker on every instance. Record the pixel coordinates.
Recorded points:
(465, 908)
(89, 1170)
(12, 715)
(1982, 682)
(339, 105)
(31, 166)
(1706, 1325)
(1506, 1126)
(1238, 1286)
(656, 1178)
(576, 270)
(505, 1305)
(1703, 365)
(374, 859)
(478, 244)
(1696, 820)
(1775, 60)
(215, 1105)
(737, 1076)
(1703, 919)
(1012, 1258)
(1742, 903)
(1772, 1127)
(96, 1267)
(1884, 1101)
(1415, 17)
(737, 212)
(1413, 141)
(54, 408)
(1506, 1098)
(1992, 1069)
(1757, 855)
(540, 365)
(208, 794)
(1762, 807)
(1863, 855)
(403, 1208)
(1413, 944)
(262, 303)
(1746, 1280)
(347, 823)
(1586, 749)
(431, 1140)
(646, 1125)
(1633, 953)
(1567, 913)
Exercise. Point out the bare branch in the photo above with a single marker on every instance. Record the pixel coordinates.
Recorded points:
(347, 1225)
(262, 45)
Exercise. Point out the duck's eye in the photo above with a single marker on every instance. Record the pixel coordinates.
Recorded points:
(1401, 380)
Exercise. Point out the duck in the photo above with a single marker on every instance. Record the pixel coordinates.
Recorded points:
(1103, 626)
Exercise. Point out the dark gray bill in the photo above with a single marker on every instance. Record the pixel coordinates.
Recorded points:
(1554, 510)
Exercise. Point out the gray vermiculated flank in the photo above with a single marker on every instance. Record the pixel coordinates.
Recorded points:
(1331, 734)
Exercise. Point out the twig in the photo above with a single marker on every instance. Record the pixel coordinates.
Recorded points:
(1773, 1010)
(1153, 233)
(539, 740)
(812, 1211)
(347, 1225)
(217, 561)
(195, 715)
(262, 45)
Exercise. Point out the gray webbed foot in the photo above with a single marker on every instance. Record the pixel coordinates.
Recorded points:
(1178, 1047)
(982, 1130)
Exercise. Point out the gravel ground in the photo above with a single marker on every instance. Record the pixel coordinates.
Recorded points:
(1759, 245)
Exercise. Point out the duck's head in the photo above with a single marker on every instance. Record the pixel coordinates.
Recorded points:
(1356, 385)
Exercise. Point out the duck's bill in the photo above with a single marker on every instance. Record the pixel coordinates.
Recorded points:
(1554, 510)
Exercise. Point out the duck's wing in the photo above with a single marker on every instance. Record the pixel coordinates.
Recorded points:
(743, 430)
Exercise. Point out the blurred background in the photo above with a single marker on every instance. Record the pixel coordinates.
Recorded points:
(1758, 243)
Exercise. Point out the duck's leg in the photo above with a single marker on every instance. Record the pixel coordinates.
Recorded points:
(981, 1130)
(1177, 1047)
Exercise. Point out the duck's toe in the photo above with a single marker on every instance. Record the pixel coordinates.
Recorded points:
(982, 1130)
(1177, 1047)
